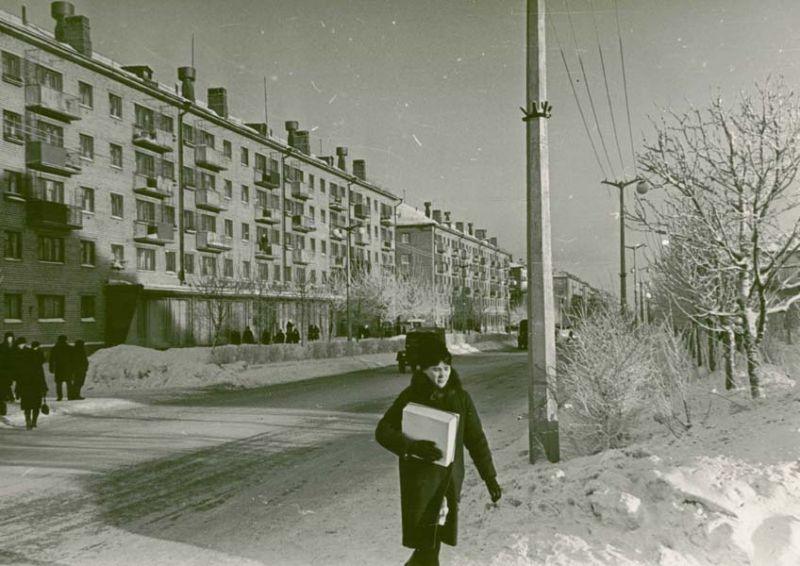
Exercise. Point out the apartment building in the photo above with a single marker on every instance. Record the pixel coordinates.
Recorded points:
(468, 271)
(128, 207)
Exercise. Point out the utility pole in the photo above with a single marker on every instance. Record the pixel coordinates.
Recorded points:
(543, 438)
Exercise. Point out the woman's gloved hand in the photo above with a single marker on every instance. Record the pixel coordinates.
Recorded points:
(425, 449)
(494, 489)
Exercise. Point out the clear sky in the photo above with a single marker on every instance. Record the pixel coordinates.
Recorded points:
(428, 91)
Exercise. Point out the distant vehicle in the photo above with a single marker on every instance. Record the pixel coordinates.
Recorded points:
(414, 338)
(522, 337)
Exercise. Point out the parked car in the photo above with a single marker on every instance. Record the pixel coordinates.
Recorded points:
(414, 338)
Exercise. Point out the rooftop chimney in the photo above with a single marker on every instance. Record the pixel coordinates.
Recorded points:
(493, 241)
(447, 217)
(360, 169)
(218, 101)
(460, 226)
(480, 233)
(437, 216)
(428, 209)
(341, 153)
(187, 75)
(469, 228)
(71, 29)
(301, 141)
(291, 127)
(260, 127)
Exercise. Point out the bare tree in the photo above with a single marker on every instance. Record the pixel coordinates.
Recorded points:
(215, 297)
(734, 170)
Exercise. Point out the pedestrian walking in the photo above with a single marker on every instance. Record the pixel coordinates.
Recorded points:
(247, 336)
(280, 337)
(7, 354)
(429, 493)
(60, 365)
(80, 365)
(31, 385)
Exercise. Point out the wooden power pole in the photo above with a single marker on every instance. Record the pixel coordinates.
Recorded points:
(542, 408)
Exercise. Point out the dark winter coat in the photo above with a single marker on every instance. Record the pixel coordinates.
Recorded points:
(61, 362)
(31, 385)
(423, 484)
(79, 363)
(7, 354)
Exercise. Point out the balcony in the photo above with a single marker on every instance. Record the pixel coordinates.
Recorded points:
(208, 199)
(267, 216)
(212, 242)
(361, 239)
(302, 223)
(336, 204)
(149, 232)
(302, 257)
(267, 179)
(54, 215)
(156, 187)
(361, 211)
(386, 245)
(299, 190)
(52, 103)
(209, 158)
(337, 234)
(386, 220)
(49, 158)
(265, 251)
(152, 139)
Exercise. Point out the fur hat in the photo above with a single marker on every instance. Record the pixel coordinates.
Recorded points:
(432, 351)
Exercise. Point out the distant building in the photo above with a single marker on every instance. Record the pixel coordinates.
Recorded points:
(568, 289)
(467, 269)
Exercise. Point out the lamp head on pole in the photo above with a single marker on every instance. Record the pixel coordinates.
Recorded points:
(642, 187)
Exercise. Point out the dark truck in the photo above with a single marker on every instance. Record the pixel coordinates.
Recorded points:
(414, 338)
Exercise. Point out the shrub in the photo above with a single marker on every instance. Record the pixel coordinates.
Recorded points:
(606, 379)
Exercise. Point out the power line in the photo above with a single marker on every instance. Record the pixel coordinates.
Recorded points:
(625, 85)
(608, 91)
(588, 90)
(577, 100)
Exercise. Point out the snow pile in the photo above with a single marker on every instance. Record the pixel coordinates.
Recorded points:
(727, 492)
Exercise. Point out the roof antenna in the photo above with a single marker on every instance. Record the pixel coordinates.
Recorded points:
(192, 50)
(266, 113)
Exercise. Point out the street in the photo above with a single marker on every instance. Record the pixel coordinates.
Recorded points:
(288, 474)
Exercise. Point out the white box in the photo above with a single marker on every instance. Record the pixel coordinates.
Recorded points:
(421, 422)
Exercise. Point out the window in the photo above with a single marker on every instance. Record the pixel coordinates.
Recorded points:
(245, 194)
(145, 164)
(206, 138)
(86, 94)
(50, 190)
(323, 247)
(13, 182)
(228, 227)
(168, 169)
(87, 307)
(165, 123)
(208, 266)
(404, 238)
(311, 182)
(188, 263)
(227, 149)
(287, 274)
(115, 154)
(322, 216)
(208, 181)
(12, 127)
(322, 190)
(118, 253)
(263, 271)
(87, 252)
(13, 247)
(144, 117)
(189, 222)
(51, 249)
(87, 199)
(48, 77)
(170, 258)
(260, 162)
(50, 133)
(169, 214)
(12, 68)
(86, 146)
(208, 223)
(245, 156)
(227, 267)
(245, 231)
(117, 210)
(188, 177)
(277, 272)
(405, 259)
(114, 105)
(51, 307)
(228, 190)
(145, 211)
(145, 259)
(188, 134)
(13, 304)
(246, 269)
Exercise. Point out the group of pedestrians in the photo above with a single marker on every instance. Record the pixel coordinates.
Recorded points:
(22, 376)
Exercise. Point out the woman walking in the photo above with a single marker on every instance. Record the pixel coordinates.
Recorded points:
(31, 385)
(430, 493)
(80, 365)
(61, 365)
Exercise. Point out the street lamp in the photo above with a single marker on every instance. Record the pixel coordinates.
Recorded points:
(641, 187)
(635, 292)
